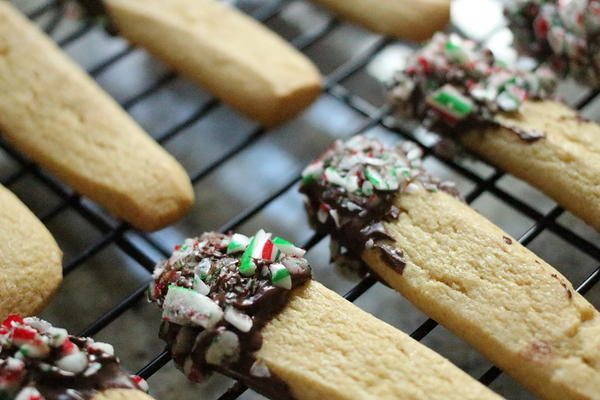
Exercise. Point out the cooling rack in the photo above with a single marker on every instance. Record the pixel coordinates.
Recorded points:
(246, 177)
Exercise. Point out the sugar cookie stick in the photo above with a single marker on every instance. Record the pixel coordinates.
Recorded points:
(565, 164)
(457, 267)
(503, 115)
(42, 362)
(414, 20)
(239, 60)
(53, 112)
(247, 307)
(30, 260)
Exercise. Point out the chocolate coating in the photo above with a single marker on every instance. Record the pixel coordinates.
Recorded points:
(563, 34)
(39, 358)
(453, 87)
(255, 296)
(355, 218)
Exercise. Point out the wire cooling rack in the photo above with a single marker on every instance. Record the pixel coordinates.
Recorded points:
(246, 177)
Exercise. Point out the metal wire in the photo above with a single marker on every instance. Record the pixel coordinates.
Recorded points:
(113, 232)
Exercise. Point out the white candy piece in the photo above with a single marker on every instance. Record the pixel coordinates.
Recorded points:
(277, 271)
(29, 393)
(295, 265)
(203, 267)
(92, 369)
(352, 206)
(38, 350)
(224, 348)
(75, 363)
(38, 324)
(242, 242)
(14, 364)
(103, 347)
(238, 319)
(412, 188)
(260, 370)
(58, 336)
(335, 216)
(313, 169)
(260, 239)
(186, 249)
(188, 307)
(334, 177)
(200, 286)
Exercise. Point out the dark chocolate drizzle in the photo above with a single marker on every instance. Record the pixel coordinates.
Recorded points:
(356, 230)
(255, 296)
(430, 69)
(54, 383)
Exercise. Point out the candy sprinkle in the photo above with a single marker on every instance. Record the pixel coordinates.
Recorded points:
(564, 34)
(450, 82)
(355, 217)
(33, 353)
(218, 297)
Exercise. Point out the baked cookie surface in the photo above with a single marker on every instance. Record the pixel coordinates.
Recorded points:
(456, 266)
(58, 116)
(246, 307)
(238, 59)
(30, 260)
(414, 20)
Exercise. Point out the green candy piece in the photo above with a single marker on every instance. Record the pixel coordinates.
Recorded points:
(308, 179)
(247, 265)
(280, 274)
(460, 107)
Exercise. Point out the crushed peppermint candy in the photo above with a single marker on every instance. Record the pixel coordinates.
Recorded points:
(563, 33)
(352, 188)
(41, 362)
(217, 292)
(450, 84)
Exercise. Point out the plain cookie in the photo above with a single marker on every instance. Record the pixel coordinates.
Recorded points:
(414, 20)
(30, 260)
(239, 60)
(565, 164)
(483, 285)
(53, 112)
(327, 348)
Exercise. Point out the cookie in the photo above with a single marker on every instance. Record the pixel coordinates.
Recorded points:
(54, 113)
(42, 362)
(456, 266)
(239, 60)
(506, 116)
(562, 34)
(414, 20)
(30, 260)
(565, 164)
(247, 307)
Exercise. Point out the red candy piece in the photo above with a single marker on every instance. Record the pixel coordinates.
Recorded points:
(8, 322)
(69, 347)
(541, 27)
(24, 334)
(267, 250)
